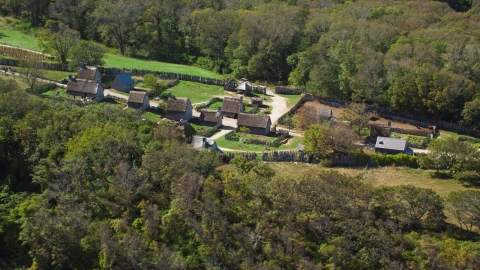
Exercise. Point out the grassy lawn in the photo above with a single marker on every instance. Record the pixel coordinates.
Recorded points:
(18, 39)
(152, 115)
(197, 92)
(119, 61)
(235, 145)
(62, 92)
(199, 128)
(291, 99)
(57, 75)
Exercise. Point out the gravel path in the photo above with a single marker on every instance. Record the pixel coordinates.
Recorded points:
(279, 106)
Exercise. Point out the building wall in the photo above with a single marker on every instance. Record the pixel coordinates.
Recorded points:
(177, 116)
(188, 113)
(388, 151)
(231, 115)
(146, 102)
(136, 106)
(98, 77)
(118, 85)
(258, 131)
(100, 95)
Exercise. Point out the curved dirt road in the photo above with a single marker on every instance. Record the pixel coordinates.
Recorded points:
(279, 106)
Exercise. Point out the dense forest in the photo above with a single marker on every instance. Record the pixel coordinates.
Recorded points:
(419, 57)
(97, 187)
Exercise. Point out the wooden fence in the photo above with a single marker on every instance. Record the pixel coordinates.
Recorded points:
(22, 54)
(288, 91)
(41, 65)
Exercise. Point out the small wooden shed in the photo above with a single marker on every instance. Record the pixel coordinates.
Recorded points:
(138, 100)
(210, 118)
(231, 107)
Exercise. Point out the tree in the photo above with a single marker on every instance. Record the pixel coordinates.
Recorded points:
(57, 39)
(116, 20)
(32, 72)
(7, 85)
(357, 115)
(317, 140)
(465, 205)
(471, 113)
(450, 154)
(88, 52)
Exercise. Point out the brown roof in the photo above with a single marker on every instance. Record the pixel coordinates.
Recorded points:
(177, 104)
(137, 96)
(87, 73)
(232, 105)
(83, 86)
(209, 115)
(253, 120)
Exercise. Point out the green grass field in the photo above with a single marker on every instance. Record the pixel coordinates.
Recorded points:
(57, 75)
(119, 61)
(18, 39)
(291, 99)
(62, 92)
(235, 145)
(197, 92)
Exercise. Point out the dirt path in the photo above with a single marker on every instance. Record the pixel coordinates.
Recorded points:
(279, 106)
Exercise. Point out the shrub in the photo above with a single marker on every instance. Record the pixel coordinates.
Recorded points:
(398, 160)
(205, 63)
(326, 163)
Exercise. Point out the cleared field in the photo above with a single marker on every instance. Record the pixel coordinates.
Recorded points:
(119, 61)
(18, 39)
(197, 92)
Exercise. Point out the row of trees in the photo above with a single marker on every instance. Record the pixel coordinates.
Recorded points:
(417, 57)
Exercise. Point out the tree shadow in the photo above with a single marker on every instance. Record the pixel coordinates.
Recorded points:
(2, 35)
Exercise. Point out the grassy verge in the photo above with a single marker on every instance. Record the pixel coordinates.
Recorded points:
(58, 92)
(234, 145)
(57, 75)
(291, 99)
(197, 92)
(119, 61)
(152, 115)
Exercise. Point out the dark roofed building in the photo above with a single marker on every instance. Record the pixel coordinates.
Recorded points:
(138, 100)
(387, 145)
(89, 73)
(178, 108)
(85, 89)
(210, 117)
(231, 107)
(123, 82)
(257, 124)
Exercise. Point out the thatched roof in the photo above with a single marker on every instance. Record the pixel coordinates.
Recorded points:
(253, 120)
(232, 105)
(177, 104)
(83, 86)
(137, 96)
(87, 73)
(210, 116)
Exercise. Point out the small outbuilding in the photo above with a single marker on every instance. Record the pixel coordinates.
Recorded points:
(244, 88)
(256, 101)
(231, 107)
(230, 85)
(138, 100)
(202, 143)
(211, 117)
(85, 89)
(178, 108)
(391, 146)
(186, 129)
(257, 124)
(123, 82)
(89, 73)
(326, 113)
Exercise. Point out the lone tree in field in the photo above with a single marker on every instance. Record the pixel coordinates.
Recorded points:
(31, 71)
(356, 114)
(57, 39)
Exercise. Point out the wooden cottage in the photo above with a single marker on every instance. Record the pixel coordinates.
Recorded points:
(123, 82)
(138, 100)
(257, 124)
(231, 107)
(230, 86)
(85, 89)
(211, 118)
(390, 145)
(178, 108)
(89, 73)
(244, 88)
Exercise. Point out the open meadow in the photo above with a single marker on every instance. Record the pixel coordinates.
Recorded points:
(197, 92)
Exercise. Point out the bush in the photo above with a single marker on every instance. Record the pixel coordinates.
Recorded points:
(43, 88)
(398, 160)
(326, 163)
(205, 63)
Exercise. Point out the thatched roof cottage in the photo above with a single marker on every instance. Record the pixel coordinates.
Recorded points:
(138, 100)
(231, 107)
(85, 89)
(257, 124)
(89, 73)
(211, 117)
(178, 108)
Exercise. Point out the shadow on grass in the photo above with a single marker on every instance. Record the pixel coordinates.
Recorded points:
(156, 112)
(110, 101)
(2, 35)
